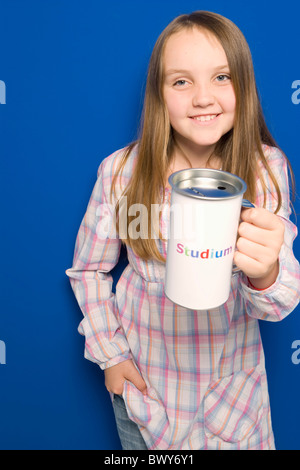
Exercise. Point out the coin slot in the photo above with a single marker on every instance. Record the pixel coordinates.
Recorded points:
(196, 190)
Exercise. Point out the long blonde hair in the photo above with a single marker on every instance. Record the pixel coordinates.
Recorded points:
(238, 148)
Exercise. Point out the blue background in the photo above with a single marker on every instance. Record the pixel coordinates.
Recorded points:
(75, 74)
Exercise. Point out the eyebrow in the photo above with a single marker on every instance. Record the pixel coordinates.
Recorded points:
(175, 71)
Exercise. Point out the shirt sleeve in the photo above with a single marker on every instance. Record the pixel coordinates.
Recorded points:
(280, 299)
(97, 251)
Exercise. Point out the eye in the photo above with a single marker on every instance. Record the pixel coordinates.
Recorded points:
(180, 83)
(223, 78)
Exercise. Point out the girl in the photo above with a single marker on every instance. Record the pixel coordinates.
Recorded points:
(183, 379)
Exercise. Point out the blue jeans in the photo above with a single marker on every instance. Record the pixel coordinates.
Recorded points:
(129, 433)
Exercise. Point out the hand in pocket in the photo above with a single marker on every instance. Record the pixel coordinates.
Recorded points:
(115, 377)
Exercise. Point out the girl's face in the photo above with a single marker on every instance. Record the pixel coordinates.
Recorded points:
(198, 91)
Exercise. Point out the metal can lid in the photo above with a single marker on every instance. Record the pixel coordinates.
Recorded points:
(205, 183)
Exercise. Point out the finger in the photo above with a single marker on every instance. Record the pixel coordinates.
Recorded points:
(249, 266)
(260, 253)
(261, 218)
(257, 235)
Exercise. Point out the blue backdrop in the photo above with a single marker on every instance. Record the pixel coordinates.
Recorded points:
(72, 80)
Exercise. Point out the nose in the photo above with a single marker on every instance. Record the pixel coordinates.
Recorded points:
(203, 96)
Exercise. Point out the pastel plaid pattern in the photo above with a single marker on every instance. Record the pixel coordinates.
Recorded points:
(204, 370)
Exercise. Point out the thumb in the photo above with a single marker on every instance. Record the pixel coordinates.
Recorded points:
(136, 379)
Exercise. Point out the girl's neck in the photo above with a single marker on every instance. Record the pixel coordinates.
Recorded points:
(182, 158)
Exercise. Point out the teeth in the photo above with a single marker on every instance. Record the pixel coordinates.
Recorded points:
(205, 118)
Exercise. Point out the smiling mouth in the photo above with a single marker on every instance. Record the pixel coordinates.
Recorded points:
(205, 118)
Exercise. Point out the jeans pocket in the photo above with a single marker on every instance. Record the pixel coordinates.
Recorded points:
(233, 406)
(118, 400)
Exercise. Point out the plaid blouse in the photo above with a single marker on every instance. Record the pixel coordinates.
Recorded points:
(204, 370)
